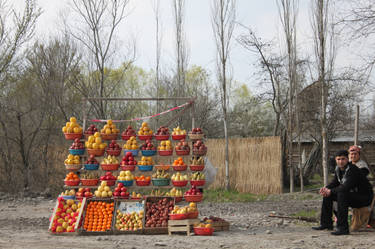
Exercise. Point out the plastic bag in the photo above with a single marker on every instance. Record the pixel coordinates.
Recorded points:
(210, 172)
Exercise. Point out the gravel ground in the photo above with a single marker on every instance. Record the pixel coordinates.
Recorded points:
(24, 224)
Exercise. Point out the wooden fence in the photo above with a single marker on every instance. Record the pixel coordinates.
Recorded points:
(255, 164)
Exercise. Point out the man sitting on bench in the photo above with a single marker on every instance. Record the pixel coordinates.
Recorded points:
(350, 188)
(355, 158)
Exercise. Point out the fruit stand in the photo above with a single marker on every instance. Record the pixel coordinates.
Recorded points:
(158, 164)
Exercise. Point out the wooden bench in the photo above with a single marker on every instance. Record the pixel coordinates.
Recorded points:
(181, 225)
(361, 216)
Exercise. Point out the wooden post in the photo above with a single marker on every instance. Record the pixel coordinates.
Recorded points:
(84, 114)
(356, 125)
(192, 115)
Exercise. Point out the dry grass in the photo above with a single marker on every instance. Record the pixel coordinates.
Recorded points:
(254, 164)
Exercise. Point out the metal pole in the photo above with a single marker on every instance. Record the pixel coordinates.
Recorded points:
(356, 125)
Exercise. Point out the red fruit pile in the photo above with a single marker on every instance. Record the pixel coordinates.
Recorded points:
(199, 146)
(84, 192)
(91, 129)
(196, 131)
(162, 131)
(108, 176)
(77, 145)
(128, 159)
(148, 145)
(121, 191)
(91, 160)
(193, 191)
(114, 146)
(182, 145)
(129, 132)
(157, 213)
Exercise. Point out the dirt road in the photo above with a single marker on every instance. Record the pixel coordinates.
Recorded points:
(24, 224)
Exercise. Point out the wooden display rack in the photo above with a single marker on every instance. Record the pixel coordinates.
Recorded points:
(181, 226)
(220, 226)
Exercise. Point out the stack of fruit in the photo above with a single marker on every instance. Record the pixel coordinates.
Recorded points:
(72, 130)
(142, 180)
(177, 193)
(199, 148)
(182, 148)
(126, 178)
(128, 133)
(71, 179)
(203, 229)
(178, 213)
(114, 149)
(145, 132)
(84, 192)
(165, 148)
(128, 162)
(108, 178)
(68, 194)
(157, 212)
(109, 131)
(178, 134)
(146, 163)
(110, 163)
(160, 178)
(94, 145)
(197, 163)
(196, 133)
(98, 216)
(157, 192)
(179, 180)
(179, 165)
(103, 191)
(91, 163)
(162, 133)
(135, 196)
(131, 146)
(129, 221)
(77, 147)
(197, 179)
(72, 162)
(66, 216)
(193, 195)
(89, 179)
(91, 130)
(148, 149)
(121, 191)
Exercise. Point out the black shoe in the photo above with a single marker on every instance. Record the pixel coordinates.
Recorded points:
(323, 228)
(341, 232)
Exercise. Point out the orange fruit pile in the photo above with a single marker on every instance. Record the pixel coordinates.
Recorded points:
(71, 176)
(142, 178)
(178, 162)
(98, 216)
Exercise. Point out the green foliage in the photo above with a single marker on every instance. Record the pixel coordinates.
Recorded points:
(221, 195)
(306, 213)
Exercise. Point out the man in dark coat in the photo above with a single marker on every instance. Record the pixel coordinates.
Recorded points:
(350, 188)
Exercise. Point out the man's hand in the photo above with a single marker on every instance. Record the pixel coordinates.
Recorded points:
(325, 192)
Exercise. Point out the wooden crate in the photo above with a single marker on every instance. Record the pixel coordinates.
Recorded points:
(220, 225)
(181, 226)
(156, 230)
(117, 206)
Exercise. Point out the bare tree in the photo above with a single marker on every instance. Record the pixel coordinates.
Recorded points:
(223, 22)
(181, 49)
(101, 20)
(288, 10)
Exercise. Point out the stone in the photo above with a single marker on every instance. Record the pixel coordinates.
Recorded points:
(160, 244)
(268, 232)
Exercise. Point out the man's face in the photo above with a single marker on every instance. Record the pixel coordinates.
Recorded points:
(341, 161)
(354, 156)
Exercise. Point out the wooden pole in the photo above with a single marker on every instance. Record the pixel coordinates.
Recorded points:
(356, 125)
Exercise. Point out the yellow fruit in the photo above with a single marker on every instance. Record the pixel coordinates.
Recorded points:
(208, 226)
(64, 129)
(134, 147)
(76, 130)
(89, 146)
(144, 124)
(102, 146)
(95, 146)
(98, 140)
(75, 161)
(73, 119)
(69, 130)
(108, 131)
(67, 124)
(80, 129)
(96, 134)
(71, 157)
(192, 204)
(59, 229)
(76, 157)
(140, 133)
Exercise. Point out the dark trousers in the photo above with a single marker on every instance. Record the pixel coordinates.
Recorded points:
(344, 201)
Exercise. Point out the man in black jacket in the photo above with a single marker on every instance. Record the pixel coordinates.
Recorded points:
(350, 188)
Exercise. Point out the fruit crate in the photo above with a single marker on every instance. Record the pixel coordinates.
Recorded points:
(78, 220)
(83, 231)
(220, 225)
(181, 226)
(128, 205)
(156, 230)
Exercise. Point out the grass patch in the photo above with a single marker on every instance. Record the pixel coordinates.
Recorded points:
(306, 213)
(221, 195)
